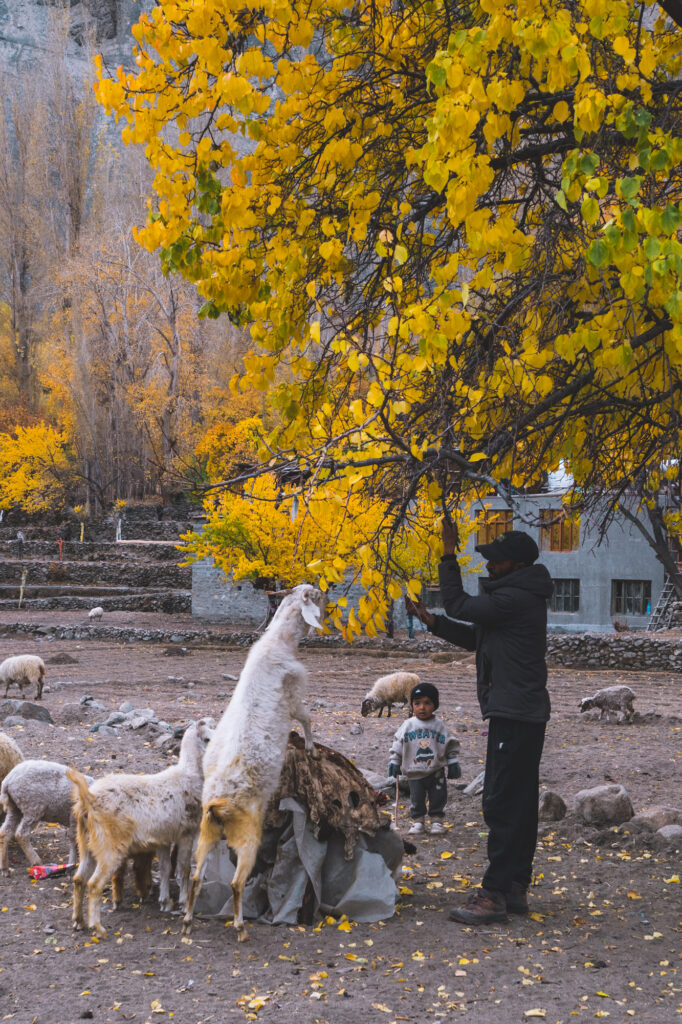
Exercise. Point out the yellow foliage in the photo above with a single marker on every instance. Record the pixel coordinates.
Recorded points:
(36, 467)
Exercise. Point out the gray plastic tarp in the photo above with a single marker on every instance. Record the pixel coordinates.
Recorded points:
(362, 888)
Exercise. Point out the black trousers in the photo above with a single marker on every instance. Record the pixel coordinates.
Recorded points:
(510, 801)
(435, 788)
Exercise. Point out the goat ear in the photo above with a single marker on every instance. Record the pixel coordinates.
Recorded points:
(311, 613)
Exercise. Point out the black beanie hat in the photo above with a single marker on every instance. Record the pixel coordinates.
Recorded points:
(426, 690)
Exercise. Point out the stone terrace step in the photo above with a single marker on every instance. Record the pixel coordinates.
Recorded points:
(168, 530)
(137, 551)
(170, 602)
(125, 573)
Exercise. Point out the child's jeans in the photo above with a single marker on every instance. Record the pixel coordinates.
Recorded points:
(431, 787)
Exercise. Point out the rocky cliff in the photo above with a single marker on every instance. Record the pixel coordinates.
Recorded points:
(27, 28)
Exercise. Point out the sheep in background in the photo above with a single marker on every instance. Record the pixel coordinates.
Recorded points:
(611, 698)
(96, 613)
(35, 791)
(389, 690)
(23, 670)
(122, 816)
(244, 759)
(10, 755)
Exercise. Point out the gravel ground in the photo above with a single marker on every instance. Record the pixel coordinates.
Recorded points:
(603, 939)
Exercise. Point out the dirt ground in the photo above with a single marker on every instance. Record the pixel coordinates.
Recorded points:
(604, 938)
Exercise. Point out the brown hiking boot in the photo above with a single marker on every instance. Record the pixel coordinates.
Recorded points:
(517, 899)
(482, 907)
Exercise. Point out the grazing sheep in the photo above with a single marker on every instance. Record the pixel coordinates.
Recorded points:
(389, 690)
(10, 755)
(96, 613)
(611, 698)
(23, 670)
(35, 791)
(244, 759)
(122, 816)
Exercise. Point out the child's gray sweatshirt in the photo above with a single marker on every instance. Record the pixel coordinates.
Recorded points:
(421, 748)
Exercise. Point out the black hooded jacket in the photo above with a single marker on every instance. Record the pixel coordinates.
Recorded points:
(509, 635)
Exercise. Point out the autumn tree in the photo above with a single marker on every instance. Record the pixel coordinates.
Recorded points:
(38, 469)
(452, 228)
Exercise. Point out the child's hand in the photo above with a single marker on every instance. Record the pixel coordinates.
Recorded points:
(454, 770)
(393, 769)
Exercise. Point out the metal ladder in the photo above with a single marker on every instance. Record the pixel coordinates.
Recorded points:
(666, 598)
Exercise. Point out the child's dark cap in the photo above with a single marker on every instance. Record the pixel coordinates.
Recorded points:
(426, 690)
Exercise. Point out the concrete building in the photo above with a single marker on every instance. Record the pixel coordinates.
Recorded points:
(595, 584)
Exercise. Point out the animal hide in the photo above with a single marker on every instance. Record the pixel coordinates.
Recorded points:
(335, 794)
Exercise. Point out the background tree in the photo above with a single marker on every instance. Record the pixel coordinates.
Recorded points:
(454, 233)
(96, 343)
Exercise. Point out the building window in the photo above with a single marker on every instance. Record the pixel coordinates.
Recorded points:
(562, 535)
(431, 596)
(630, 597)
(566, 596)
(493, 522)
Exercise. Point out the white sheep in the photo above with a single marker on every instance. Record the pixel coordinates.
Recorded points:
(34, 791)
(10, 755)
(23, 670)
(389, 690)
(611, 698)
(244, 759)
(121, 816)
(96, 613)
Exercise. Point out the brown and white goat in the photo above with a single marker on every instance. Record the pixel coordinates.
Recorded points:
(121, 816)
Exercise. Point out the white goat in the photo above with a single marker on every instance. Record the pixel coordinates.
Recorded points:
(121, 816)
(244, 759)
(35, 791)
(23, 670)
(10, 755)
(389, 690)
(611, 698)
(96, 613)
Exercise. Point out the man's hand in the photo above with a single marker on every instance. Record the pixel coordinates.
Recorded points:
(450, 535)
(420, 611)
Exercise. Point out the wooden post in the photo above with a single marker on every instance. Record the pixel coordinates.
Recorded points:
(395, 809)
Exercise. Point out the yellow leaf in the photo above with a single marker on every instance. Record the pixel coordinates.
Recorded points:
(157, 1007)
(633, 895)
(537, 1012)
(382, 1007)
(446, 855)
(344, 926)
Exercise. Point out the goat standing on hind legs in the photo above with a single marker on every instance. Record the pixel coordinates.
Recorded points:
(244, 759)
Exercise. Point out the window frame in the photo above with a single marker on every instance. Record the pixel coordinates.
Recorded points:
(560, 536)
(571, 596)
(620, 598)
(492, 523)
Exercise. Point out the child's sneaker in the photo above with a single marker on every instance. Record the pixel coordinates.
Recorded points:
(437, 828)
(417, 828)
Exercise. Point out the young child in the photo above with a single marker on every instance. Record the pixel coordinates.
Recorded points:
(423, 747)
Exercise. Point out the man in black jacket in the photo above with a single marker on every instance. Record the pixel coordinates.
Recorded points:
(508, 631)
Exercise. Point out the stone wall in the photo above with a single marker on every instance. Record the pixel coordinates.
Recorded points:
(589, 650)
(615, 650)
